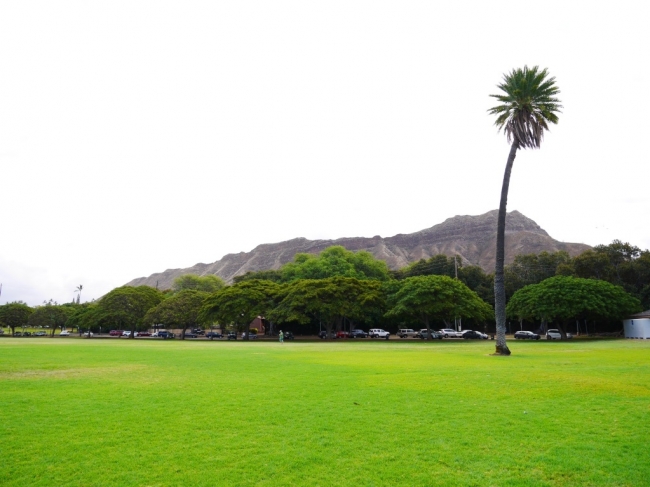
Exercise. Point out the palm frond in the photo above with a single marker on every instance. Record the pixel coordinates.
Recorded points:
(527, 105)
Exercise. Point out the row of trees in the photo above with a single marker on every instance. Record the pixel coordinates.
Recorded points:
(334, 287)
(339, 286)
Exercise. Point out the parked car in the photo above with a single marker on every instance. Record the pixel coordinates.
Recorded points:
(406, 333)
(232, 336)
(342, 334)
(189, 334)
(116, 333)
(143, 334)
(323, 334)
(289, 336)
(40, 334)
(433, 334)
(484, 336)
(64, 333)
(126, 333)
(251, 336)
(378, 333)
(18, 334)
(471, 335)
(213, 334)
(358, 334)
(165, 334)
(554, 334)
(27, 334)
(526, 335)
(449, 333)
(88, 334)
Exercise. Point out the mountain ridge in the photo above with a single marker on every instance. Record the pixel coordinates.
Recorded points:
(472, 237)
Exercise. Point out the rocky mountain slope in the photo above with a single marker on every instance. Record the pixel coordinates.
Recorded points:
(473, 238)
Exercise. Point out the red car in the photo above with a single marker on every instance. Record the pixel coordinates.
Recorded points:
(115, 333)
(342, 334)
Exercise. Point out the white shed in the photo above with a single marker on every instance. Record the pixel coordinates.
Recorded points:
(637, 326)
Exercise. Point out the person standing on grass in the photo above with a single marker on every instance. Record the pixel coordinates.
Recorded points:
(281, 337)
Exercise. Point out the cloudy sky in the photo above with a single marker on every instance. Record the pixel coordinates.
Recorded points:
(137, 136)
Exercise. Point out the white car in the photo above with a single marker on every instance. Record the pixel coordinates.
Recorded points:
(406, 333)
(378, 333)
(126, 334)
(554, 334)
(64, 333)
(449, 333)
(88, 334)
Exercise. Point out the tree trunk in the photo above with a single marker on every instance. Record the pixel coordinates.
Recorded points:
(328, 329)
(426, 322)
(499, 284)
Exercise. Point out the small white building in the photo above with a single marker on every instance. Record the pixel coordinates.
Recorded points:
(637, 326)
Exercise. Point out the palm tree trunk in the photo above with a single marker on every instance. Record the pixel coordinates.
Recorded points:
(499, 284)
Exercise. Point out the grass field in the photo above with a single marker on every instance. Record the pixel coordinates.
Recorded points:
(358, 413)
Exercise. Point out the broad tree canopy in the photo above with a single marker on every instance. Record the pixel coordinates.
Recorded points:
(436, 298)
(336, 261)
(208, 284)
(125, 307)
(178, 311)
(564, 298)
(51, 315)
(240, 303)
(330, 299)
(15, 315)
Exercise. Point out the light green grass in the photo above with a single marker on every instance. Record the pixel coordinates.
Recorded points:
(362, 413)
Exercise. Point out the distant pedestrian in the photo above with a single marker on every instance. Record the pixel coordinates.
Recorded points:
(281, 337)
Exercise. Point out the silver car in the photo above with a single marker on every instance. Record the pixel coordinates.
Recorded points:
(449, 333)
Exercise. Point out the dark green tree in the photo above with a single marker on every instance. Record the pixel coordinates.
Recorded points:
(206, 284)
(526, 107)
(15, 315)
(475, 278)
(336, 261)
(51, 315)
(240, 303)
(618, 263)
(178, 311)
(532, 269)
(267, 275)
(438, 265)
(331, 300)
(86, 317)
(561, 299)
(125, 307)
(436, 298)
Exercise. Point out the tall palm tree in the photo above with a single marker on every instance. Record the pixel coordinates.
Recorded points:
(527, 105)
(78, 290)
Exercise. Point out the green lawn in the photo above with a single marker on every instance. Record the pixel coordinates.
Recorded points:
(358, 413)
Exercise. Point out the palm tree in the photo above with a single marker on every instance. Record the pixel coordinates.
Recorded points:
(78, 290)
(527, 105)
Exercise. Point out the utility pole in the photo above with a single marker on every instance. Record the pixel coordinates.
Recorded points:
(457, 321)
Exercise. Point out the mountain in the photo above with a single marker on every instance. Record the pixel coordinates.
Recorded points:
(473, 238)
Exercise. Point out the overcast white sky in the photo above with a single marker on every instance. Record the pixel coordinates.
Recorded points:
(137, 136)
